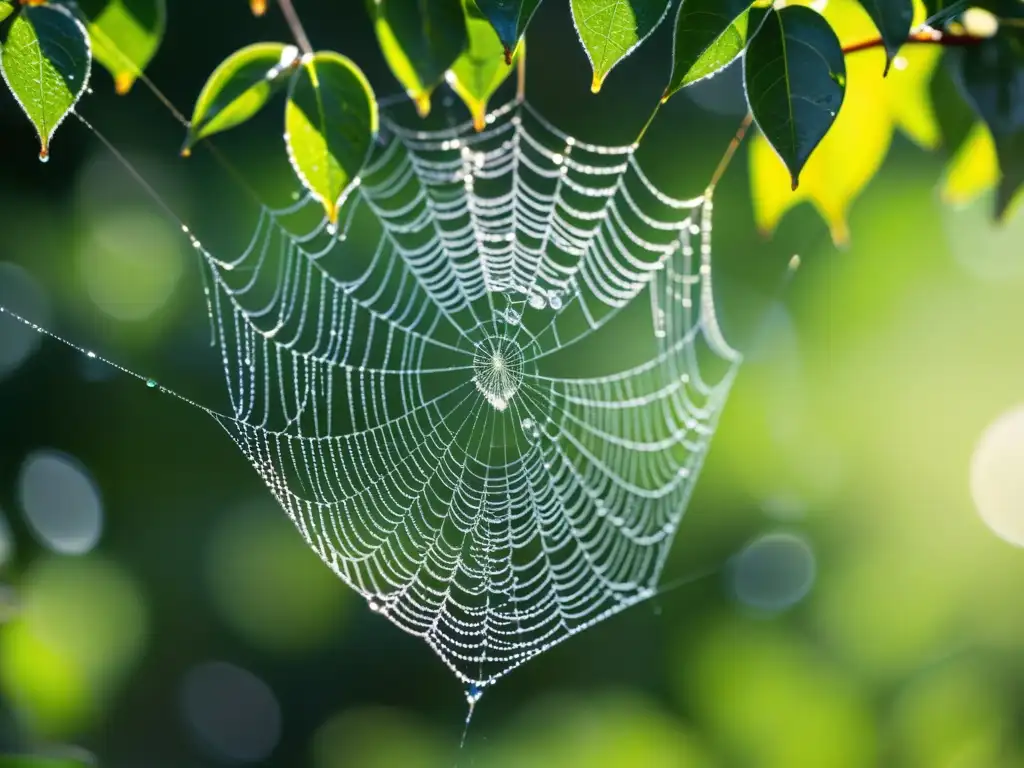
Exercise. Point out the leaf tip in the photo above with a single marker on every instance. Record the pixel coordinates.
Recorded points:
(422, 101)
(796, 182)
(508, 54)
(44, 154)
(123, 83)
(479, 116)
(186, 151)
(596, 83)
(332, 212)
(259, 7)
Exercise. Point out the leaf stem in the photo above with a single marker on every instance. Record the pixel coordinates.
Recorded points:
(521, 77)
(730, 151)
(927, 36)
(643, 131)
(296, 26)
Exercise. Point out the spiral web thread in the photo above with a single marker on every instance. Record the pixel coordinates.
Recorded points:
(426, 388)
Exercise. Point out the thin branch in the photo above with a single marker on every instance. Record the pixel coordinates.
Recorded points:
(730, 151)
(927, 37)
(296, 26)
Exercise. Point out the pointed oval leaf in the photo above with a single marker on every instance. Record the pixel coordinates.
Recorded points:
(420, 41)
(6, 9)
(330, 125)
(46, 64)
(795, 79)
(482, 68)
(709, 34)
(991, 77)
(893, 18)
(125, 35)
(610, 30)
(510, 19)
(239, 88)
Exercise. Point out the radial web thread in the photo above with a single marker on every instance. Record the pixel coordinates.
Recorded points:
(434, 390)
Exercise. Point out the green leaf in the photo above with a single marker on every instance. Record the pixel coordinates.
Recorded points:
(482, 68)
(420, 41)
(610, 30)
(991, 77)
(125, 35)
(46, 64)
(795, 78)
(239, 88)
(709, 34)
(509, 19)
(893, 18)
(6, 9)
(330, 125)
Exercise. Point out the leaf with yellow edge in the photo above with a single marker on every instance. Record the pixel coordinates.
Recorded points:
(973, 169)
(420, 41)
(852, 152)
(481, 69)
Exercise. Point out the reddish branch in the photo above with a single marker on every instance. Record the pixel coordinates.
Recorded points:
(928, 37)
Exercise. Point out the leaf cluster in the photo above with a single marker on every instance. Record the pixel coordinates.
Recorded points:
(812, 80)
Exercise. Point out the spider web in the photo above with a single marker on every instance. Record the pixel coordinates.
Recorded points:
(434, 390)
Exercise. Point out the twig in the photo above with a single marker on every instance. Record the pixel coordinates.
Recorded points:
(927, 37)
(296, 26)
(730, 151)
(521, 77)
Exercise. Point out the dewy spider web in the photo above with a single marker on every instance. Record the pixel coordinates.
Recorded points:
(412, 386)
(434, 391)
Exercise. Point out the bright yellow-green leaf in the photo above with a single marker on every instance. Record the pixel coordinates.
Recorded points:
(973, 170)
(240, 87)
(6, 9)
(46, 63)
(330, 122)
(853, 151)
(125, 35)
(481, 69)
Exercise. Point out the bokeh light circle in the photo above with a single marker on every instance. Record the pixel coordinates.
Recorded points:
(232, 713)
(61, 502)
(997, 476)
(773, 572)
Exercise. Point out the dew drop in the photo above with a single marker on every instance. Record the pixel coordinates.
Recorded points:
(512, 317)
(152, 383)
(473, 694)
(91, 355)
(527, 425)
(838, 78)
(555, 300)
(44, 156)
(537, 301)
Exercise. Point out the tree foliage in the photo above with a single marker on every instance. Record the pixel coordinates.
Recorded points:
(827, 83)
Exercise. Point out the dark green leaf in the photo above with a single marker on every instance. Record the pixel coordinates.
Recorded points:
(6, 9)
(709, 34)
(125, 35)
(509, 19)
(330, 124)
(990, 76)
(795, 79)
(46, 64)
(239, 88)
(420, 41)
(893, 18)
(610, 30)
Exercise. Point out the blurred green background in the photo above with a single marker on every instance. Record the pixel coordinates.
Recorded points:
(849, 585)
